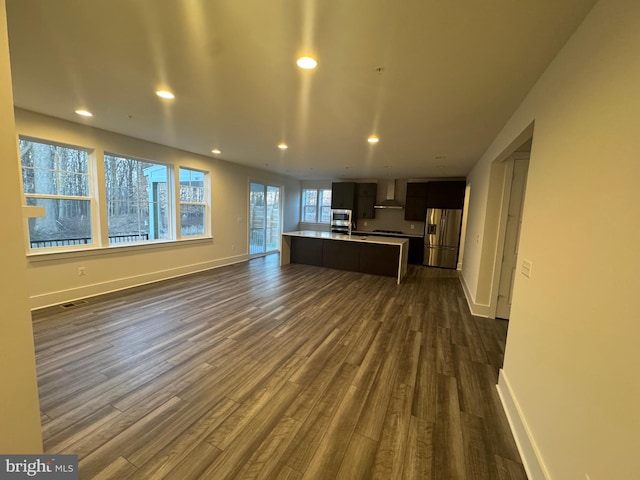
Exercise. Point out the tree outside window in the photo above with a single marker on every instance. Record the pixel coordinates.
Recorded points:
(193, 206)
(137, 200)
(316, 205)
(141, 202)
(56, 177)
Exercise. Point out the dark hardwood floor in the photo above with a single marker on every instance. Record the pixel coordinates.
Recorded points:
(262, 371)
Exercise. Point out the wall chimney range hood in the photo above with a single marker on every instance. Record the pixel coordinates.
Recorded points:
(389, 187)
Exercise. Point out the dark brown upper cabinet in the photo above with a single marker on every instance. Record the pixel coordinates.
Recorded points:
(343, 195)
(366, 200)
(415, 207)
(446, 194)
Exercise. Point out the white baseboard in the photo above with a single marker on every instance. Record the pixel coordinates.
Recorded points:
(68, 295)
(529, 453)
(477, 309)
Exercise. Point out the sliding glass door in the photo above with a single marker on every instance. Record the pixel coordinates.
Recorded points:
(264, 218)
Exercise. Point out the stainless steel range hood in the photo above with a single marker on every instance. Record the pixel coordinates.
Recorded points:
(390, 201)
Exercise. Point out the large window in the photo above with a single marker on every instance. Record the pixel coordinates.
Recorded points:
(56, 178)
(143, 201)
(193, 205)
(137, 200)
(316, 205)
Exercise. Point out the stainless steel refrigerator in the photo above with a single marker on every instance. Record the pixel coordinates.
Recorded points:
(442, 237)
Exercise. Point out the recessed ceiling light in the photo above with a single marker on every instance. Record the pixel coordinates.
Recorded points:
(216, 151)
(84, 113)
(283, 146)
(165, 94)
(373, 139)
(307, 63)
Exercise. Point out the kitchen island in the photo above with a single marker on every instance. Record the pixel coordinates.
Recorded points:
(358, 253)
(416, 242)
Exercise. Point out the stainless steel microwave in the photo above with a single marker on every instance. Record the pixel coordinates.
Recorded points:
(341, 221)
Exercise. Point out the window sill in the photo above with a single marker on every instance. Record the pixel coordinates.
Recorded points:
(36, 256)
(316, 224)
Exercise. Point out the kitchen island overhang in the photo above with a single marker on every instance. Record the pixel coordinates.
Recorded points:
(375, 255)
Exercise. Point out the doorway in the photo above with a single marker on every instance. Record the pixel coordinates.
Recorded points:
(264, 218)
(514, 187)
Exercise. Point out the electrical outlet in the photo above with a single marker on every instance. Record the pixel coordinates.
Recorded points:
(233, 246)
(81, 272)
(366, 223)
(412, 226)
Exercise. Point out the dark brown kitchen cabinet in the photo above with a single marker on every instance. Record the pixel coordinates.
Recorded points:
(343, 195)
(379, 259)
(341, 255)
(375, 259)
(367, 189)
(446, 194)
(416, 250)
(366, 200)
(307, 251)
(415, 208)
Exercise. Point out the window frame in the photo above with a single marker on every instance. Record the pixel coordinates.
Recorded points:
(91, 198)
(206, 203)
(319, 206)
(171, 207)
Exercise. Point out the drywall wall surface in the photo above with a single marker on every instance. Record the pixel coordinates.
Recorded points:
(572, 351)
(19, 409)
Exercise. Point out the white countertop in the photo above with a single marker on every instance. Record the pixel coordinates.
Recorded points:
(380, 240)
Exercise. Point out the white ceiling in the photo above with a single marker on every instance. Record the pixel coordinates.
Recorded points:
(452, 74)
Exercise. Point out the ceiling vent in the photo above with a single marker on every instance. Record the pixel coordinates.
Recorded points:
(389, 187)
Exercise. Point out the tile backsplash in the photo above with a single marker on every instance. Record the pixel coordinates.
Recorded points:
(391, 219)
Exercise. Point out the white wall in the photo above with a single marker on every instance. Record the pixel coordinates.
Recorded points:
(53, 279)
(19, 409)
(570, 380)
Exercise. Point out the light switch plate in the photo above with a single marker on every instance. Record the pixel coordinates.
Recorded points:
(527, 265)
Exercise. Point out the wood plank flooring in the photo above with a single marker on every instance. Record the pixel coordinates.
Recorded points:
(261, 371)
